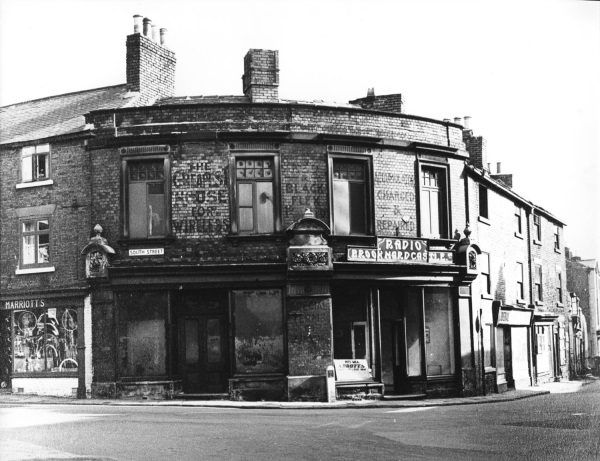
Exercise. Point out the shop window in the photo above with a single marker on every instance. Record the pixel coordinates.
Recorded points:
(147, 198)
(360, 340)
(256, 204)
(538, 288)
(45, 340)
(35, 243)
(351, 211)
(35, 163)
(433, 202)
(258, 331)
(142, 334)
(518, 220)
(439, 332)
(559, 290)
(537, 228)
(483, 202)
(486, 282)
(489, 349)
(556, 238)
(519, 278)
(413, 312)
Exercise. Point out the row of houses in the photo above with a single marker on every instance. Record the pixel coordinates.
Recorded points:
(155, 245)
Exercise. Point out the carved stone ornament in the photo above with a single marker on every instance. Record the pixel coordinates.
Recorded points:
(96, 255)
(308, 248)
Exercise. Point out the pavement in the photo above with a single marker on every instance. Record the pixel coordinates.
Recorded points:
(6, 397)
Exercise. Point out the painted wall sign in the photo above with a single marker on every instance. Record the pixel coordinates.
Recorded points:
(397, 249)
(147, 252)
(25, 304)
(514, 317)
(362, 254)
(441, 257)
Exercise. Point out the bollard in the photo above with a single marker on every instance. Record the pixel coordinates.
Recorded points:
(330, 377)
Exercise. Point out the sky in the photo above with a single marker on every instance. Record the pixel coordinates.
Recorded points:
(527, 72)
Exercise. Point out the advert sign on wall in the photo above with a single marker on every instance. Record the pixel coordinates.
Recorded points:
(397, 249)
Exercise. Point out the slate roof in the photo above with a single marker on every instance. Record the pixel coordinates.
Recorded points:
(58, 115)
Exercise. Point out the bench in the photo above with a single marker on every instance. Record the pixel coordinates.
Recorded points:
(353, 378)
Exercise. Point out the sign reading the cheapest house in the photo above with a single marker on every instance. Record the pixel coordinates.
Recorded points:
(147, 252)
(351, 370)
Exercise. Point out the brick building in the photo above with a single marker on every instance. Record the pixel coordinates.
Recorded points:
(583, 282)
(243, 244)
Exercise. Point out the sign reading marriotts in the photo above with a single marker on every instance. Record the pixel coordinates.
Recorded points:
(394, 249)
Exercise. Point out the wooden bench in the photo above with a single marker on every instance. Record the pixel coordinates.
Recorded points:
(353, 377)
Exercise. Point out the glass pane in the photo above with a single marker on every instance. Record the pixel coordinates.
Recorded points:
(413, 314)
(425, 213)
(258, 331)
(156, 210)
(358, 208)
(265, 207)
(341, 207)
(43, 225)
(29, 226)
(138, 227)
(439, 346)
(359, 336)
(434, 207)
(41, 166)
(246, 220)
(26, 169)
(44, 248)
(192, 348)
(245, 194)
(29, 242)
(213, 340)
(142, 334)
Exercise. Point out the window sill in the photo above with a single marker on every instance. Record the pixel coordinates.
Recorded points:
(519, 235)
(35, 270)
(537, 242)
(487, 296)
(556, 250)
(26, 185)
(560, 305)
(490, 369)
(484, 220)
(539, 303)
(521, 302)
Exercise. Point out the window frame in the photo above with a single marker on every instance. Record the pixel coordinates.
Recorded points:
(556, 238)
(518, 221)
(368, 181)
(23, 268)
(35, 180)
(538, 283)
(126, 160)
(233, 190)
(487, 276)
(520, 282)
(445, 216)
(537, 229)
(484, 211)
(559, 289)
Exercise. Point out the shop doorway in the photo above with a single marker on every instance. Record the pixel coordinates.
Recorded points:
(204, 353)
(508, 373)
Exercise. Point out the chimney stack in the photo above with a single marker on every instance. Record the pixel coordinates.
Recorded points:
(371, 93)
(150, 66)
(467, 124)
(261, 75)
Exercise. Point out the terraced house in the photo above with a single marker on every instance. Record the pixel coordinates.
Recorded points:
(238, 246)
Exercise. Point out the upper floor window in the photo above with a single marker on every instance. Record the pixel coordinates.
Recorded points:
(483, 201)
(537, 228)
(35, 163)
(559, 291)
(519, 279)
(484, 262)
(518, 220)
(434, 202)
(255, 195)
(350, 196)
(35, 243)
(556, 238)
(538, 292)
(146, 198)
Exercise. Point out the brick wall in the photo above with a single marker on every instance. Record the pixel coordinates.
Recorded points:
(388, 103)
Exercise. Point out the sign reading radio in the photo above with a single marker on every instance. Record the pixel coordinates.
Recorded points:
(390, 249)
(24, 304)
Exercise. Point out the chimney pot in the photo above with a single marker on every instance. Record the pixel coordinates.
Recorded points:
(447, 120)
(458, 120)
(489, 167)
(155, 34)
(163, 37)
(370, 92)
(137, 23)
(498, 169)
(147, 27)
(467, 122)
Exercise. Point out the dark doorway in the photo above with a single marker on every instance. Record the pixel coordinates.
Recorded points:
(510, 382)
(204, 353)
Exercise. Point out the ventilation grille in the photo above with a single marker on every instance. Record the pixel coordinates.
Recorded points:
(348, 149)
(160, 149)
(254, 146)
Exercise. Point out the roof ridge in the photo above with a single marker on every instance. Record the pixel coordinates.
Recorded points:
(62, 95)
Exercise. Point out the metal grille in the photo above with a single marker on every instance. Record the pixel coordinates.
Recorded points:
(260, 146)
(158, 149)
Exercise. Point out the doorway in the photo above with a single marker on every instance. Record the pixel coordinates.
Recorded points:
(204, 353)
(510, 382)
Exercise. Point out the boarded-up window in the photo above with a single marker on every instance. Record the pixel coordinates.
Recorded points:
(350, 203)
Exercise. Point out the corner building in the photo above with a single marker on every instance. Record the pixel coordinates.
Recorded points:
(258, 239)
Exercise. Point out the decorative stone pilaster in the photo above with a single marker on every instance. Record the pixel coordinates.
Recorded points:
(96, 255)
